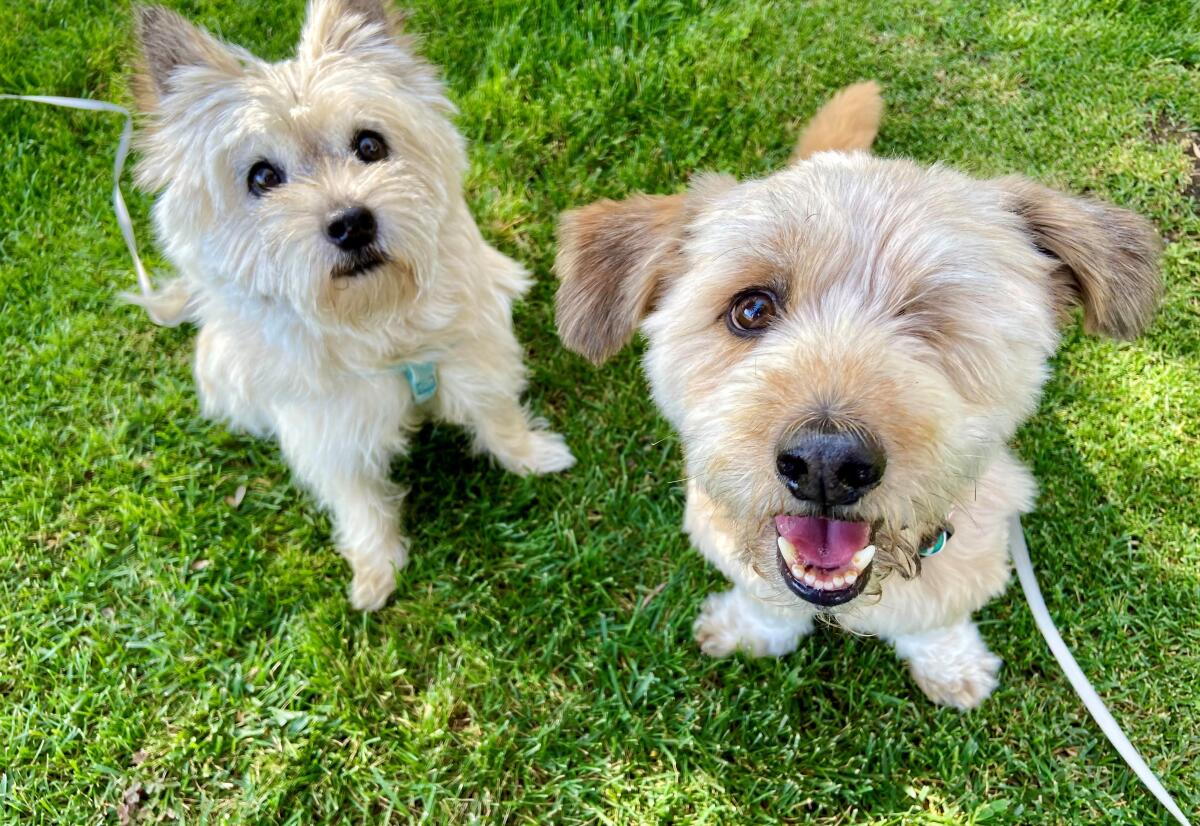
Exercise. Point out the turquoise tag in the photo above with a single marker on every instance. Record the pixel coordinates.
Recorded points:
(422, 379)
(937, 545)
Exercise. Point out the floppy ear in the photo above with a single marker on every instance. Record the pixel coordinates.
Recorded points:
(612, 259)
(167, 43)
(344, 25)
(1107, 257)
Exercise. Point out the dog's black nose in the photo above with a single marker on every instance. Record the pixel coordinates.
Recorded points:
(831, 468)
(352, 229)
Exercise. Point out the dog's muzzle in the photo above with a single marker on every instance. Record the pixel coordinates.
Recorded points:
(824, 561)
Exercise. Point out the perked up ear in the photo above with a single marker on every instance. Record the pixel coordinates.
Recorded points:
(1108, 257)
(343, 25)
(167, 43)
(612, 259)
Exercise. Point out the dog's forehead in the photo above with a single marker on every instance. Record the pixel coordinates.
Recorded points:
(841, 218)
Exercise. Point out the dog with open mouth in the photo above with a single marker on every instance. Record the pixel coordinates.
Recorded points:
(314, 211)
(846, 347)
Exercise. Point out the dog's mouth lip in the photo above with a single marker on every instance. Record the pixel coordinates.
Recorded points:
(807, 572)
(823, 593)
(362, 262)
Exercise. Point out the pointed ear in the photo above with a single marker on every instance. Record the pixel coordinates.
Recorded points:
(343, 25)
(167, 43)
(1107, 257)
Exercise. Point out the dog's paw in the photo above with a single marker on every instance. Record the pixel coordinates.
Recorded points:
(375, 580)
(953, 665)
(727, 624)
(961, 685)
(546, 452)
(550, 453)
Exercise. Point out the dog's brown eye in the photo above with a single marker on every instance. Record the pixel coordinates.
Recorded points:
(369, 147)
(751, 313)
(263, 176)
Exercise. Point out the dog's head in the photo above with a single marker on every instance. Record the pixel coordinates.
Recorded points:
(318, 184)
(844, 345)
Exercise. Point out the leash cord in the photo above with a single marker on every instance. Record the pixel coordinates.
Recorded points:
(122, 212)
(1079, 681)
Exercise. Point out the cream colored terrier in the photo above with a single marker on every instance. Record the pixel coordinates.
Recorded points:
(314, 210)
(846, 347)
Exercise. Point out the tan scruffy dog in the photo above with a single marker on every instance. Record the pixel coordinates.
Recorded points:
(846, 347)
(314, 210)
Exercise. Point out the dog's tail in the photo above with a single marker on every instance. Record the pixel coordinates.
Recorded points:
(849, 121)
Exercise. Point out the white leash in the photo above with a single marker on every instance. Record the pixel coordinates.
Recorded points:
(1016, 539)
(123, 219)
(1095, 706)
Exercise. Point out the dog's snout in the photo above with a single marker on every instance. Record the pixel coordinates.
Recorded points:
(831, 468)
(352, 229)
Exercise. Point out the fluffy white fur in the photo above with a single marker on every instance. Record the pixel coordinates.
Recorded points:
(287, 348)
(914, 303)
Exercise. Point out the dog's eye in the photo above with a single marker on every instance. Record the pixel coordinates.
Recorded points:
(370, 147)
(263, 176)
(752, 312)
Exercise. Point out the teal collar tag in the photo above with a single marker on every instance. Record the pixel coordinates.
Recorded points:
(422, 379)
(938, 543)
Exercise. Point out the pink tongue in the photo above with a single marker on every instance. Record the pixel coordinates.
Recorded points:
(825, 543)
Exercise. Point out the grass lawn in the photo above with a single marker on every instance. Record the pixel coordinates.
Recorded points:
(199, 661)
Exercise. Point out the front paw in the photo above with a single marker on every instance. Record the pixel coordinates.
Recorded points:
(375, 579)
(952, 665)
(958, 684)
(546, 452)
(727, 624)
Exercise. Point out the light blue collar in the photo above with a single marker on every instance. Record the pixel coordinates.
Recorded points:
(422, 379)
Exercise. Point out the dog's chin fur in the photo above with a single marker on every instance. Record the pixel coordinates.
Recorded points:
(915, 304)
(300, 339)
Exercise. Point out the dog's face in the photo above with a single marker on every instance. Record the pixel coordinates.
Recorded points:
(318, 184)
(844, 345)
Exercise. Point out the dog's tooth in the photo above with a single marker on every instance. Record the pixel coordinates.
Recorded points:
(797, 571)
(851, 577)
(787, 550)
(839, 581)
(810, 578)
(863, 557)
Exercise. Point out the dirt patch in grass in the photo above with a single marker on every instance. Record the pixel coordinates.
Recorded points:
(1164, 130)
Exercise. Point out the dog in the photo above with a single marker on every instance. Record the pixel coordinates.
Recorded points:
(314, 212)
(845, 348)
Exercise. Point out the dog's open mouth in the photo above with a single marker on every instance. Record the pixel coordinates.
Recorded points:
(824, 561)
(361, 262)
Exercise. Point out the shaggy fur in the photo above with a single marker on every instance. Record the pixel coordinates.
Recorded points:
(916, 305)
(294, 342)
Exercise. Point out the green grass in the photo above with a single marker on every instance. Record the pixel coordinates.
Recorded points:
(536, 664)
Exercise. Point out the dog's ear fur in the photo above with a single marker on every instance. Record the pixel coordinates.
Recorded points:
(167, 42)
(848, 122)
(1107, 256)
(343, 25)
(612, 259)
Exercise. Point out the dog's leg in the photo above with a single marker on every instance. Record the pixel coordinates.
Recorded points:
(480, 389)
(952, 665)
(735, 620)
(344, 459)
